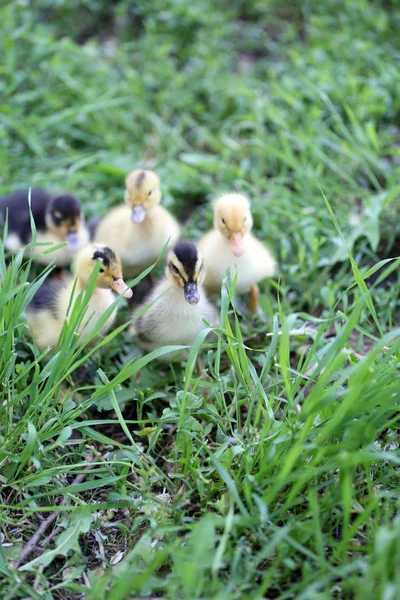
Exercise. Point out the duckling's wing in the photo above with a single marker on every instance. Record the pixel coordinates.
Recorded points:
(19, 221)
(264, 264)
(46, 297)
(144, 330)
(146, 327)
(146, 321)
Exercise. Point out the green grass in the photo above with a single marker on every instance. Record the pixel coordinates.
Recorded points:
(275, 474)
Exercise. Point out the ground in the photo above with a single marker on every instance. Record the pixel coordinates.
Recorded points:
(274, 473)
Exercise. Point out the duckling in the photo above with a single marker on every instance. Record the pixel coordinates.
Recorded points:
(49, 306)
(57, 219)
(230, 244)
(139, 229)
(176, 316)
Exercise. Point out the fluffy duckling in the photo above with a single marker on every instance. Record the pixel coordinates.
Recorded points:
(230, 244)
(57, 219)
(176, 316)
(139, 229)
(47, 311)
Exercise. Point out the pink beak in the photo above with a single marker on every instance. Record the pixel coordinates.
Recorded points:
(73, 241)
(138, 214)
(237, 246)
(119, 286)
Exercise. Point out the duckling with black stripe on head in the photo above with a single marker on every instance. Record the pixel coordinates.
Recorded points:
(180, 303)
(49, 307)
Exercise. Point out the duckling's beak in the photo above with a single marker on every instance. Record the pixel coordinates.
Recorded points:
(73, 241)
(236, 241)
(191, 293)
(138, 214)
(119, 286)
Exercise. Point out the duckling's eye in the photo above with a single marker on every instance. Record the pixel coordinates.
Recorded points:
(174, 268)
(223, 220)
(150, 193)
(101, 270)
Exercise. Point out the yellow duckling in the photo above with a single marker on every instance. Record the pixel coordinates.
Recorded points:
(230, 244)
(57, 219)
(175, 318)
(47, 311)
(140, 229)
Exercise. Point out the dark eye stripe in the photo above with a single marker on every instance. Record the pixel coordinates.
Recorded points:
(175, 270)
